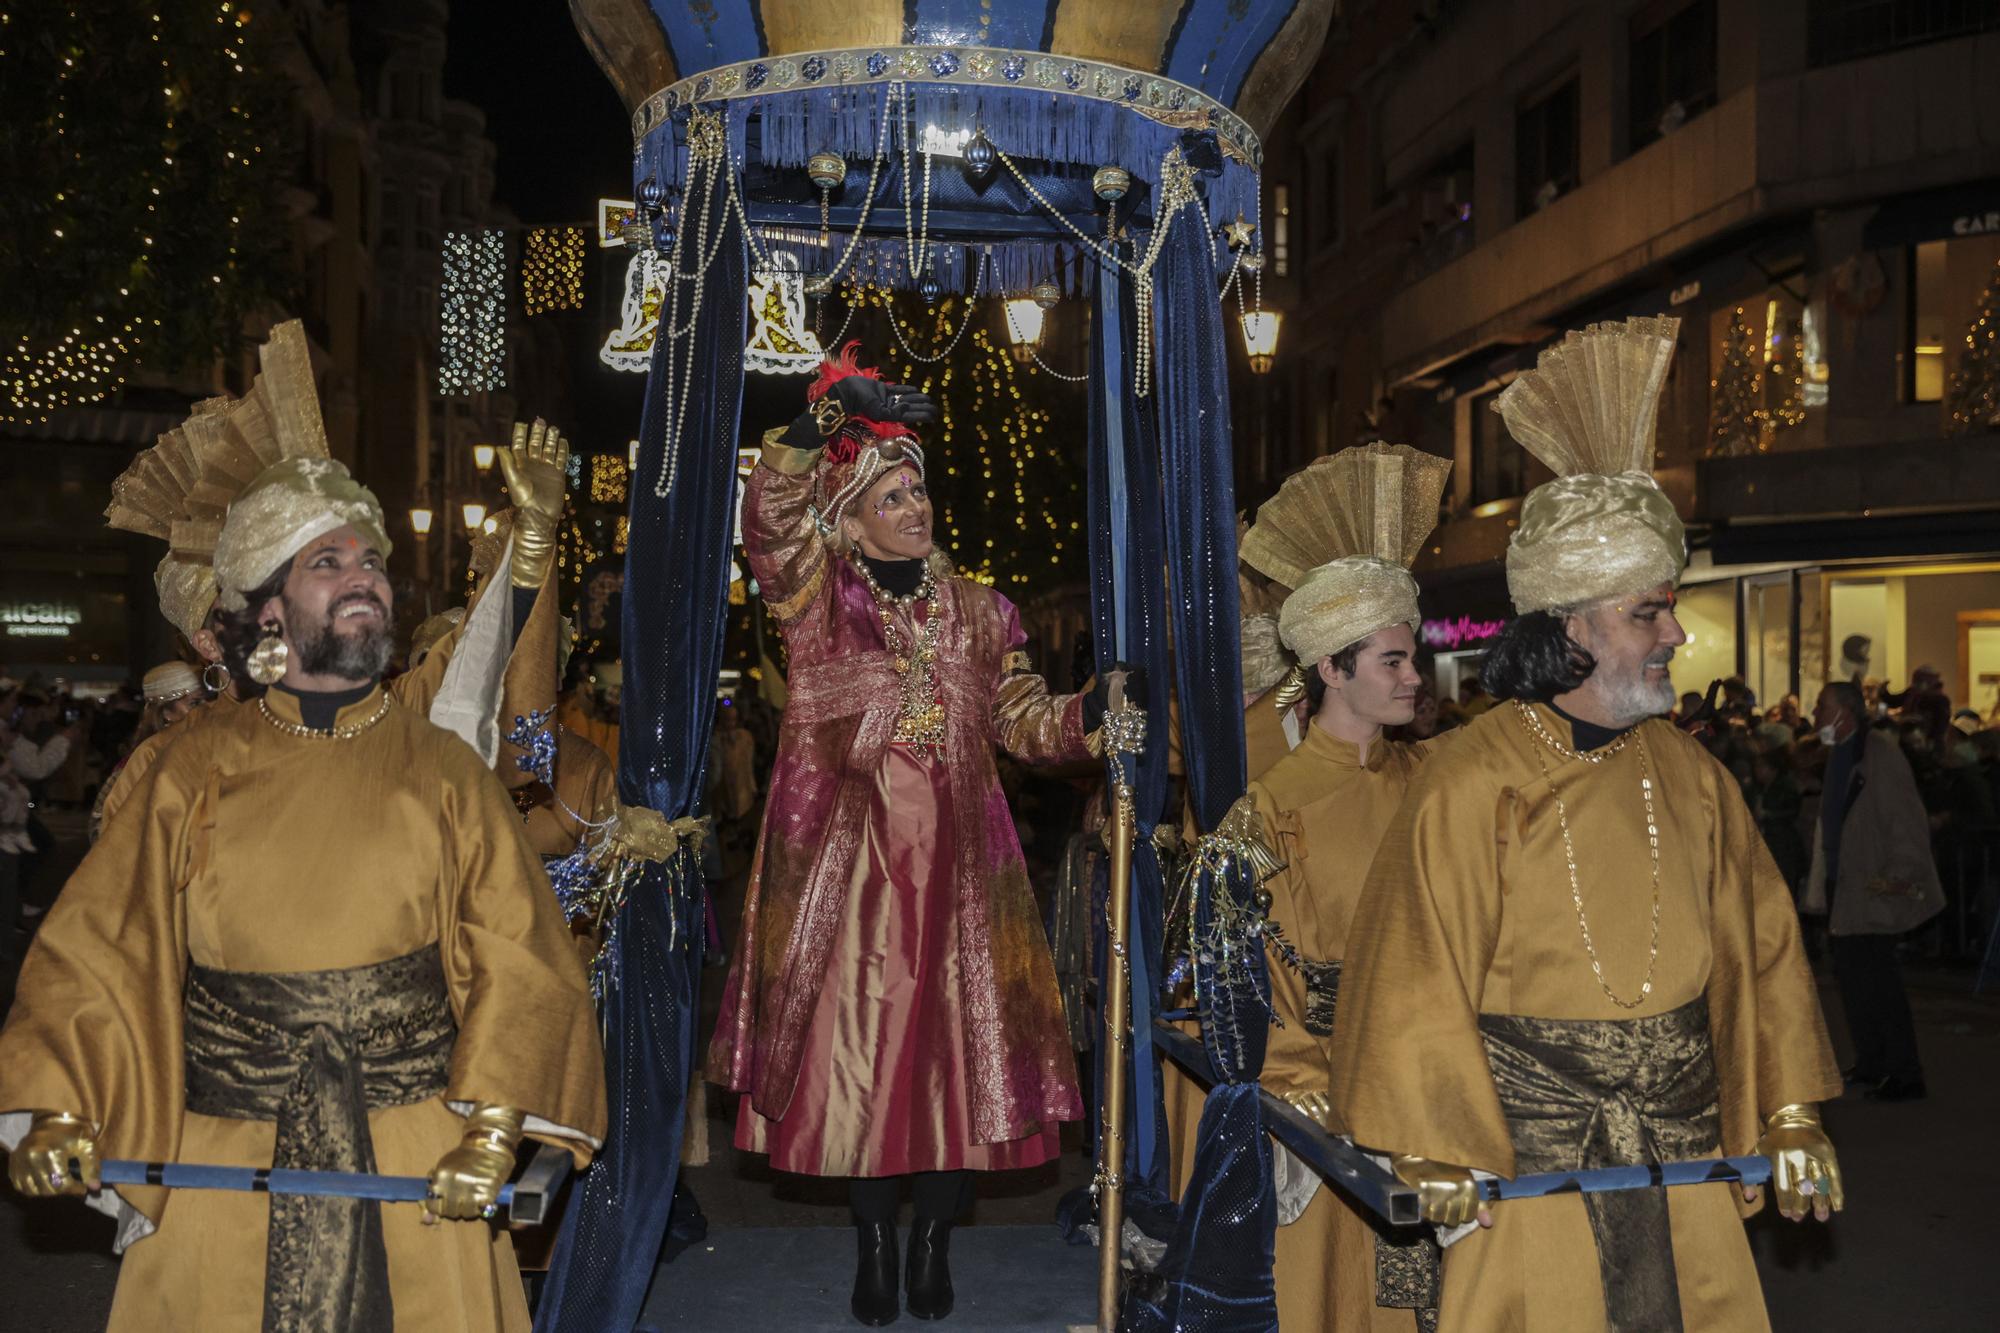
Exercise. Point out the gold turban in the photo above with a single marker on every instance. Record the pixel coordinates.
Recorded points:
(1588, 410)
(1340, 534)
(187, 593)
(1264, 663)
(169, 681)
(287, 506)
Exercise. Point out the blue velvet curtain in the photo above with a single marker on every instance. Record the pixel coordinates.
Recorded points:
(1129, 623)
(1217, 1271)
(676, 599)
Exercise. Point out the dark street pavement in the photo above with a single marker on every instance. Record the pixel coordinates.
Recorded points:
(1910, 1251)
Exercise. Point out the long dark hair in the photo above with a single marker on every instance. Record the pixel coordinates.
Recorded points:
(237, 632)
(1535, 659)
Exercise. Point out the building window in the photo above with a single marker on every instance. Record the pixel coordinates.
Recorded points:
(1545, 148)
(1444, 209)
(1947, 281)
(1673, 70)
(1838, 30)
(1281, 230)
(1499, 466)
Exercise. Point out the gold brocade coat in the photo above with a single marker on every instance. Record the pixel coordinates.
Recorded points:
(249, 849)
(845, 700)
(528, 686)
(1468, 911)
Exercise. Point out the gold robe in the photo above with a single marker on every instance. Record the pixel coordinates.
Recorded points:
(528, 686)
(251, 850)
(1324, 812)
(1468, 911)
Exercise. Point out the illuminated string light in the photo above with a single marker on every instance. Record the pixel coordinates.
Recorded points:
(472, 313)
(552, 270)
(609, 479)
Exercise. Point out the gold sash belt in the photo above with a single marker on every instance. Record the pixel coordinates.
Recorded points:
(314, 1052)
(1582, 1093)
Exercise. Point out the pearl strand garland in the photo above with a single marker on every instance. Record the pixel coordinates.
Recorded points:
(971, 303)
(707, 155)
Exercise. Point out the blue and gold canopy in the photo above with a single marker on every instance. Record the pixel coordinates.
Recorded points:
(1087, 82)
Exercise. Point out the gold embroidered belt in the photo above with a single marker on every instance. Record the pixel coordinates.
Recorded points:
(1583, 1093)
(314, 1052)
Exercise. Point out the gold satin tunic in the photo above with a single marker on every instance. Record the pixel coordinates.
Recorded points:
(1467, 911)
(248, 849)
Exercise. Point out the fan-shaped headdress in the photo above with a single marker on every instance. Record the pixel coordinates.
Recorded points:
(181, 489)
(1588, 410)
(861, 450)
(1340, 534)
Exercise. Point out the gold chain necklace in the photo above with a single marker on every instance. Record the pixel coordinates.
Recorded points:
(1535, 729)
(921, 721)
(300, 729)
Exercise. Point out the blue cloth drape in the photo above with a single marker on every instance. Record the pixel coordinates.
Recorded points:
(676, 599)
(1128, 610)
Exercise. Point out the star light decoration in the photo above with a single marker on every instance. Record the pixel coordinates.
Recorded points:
(472, 316)
(552, 270)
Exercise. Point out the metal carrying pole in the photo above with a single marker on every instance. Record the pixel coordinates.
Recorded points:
(1124, 733)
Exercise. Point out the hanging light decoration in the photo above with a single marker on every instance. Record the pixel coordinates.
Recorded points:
(1260, 338)
(930, 288)
(652, 194)
(1026, 317)
(472, 316)
(1046, 294)
(552, 270)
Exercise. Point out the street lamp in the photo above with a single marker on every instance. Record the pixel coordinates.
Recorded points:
(1260, 338)
(420, 522)
(474, 515)
(482, 457)
(1025, 318)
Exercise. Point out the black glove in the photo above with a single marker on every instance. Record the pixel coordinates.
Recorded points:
(863, 396)
(1098, 702)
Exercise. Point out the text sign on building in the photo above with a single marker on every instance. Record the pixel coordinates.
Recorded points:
(1975, 224)
(1463, 632)
(39, 620)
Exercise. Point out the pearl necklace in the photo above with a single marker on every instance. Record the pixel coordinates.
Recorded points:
(1533, 724)
(920, 723)
(304, 732)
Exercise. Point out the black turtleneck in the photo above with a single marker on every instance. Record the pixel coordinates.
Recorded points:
(899, 578)
(1588, 736)
(319, 708)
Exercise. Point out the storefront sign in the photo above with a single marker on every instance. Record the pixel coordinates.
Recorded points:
(1464, 632)
(1684, 293)
(39, 620)
(1975, 224)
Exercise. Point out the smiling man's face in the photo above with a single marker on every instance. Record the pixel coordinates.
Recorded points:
(335, 608)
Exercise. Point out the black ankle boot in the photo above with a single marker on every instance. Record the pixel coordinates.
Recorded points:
(874, 1302)
(929, 1276)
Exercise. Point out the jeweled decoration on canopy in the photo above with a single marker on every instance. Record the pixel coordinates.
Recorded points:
(472, 313)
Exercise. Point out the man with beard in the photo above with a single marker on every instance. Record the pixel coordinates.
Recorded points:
(180, 491)
(317, 939)
(1573, 949)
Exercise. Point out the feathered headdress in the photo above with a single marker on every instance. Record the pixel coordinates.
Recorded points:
(1589, 410)
(862, 449)
(1340, 534)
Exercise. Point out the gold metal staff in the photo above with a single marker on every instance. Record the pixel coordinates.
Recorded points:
(1124, 734)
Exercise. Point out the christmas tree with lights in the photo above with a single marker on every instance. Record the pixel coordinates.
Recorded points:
(1973, 398)
(1736, 394)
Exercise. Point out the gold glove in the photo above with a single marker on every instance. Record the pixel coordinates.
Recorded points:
(536, 468)
(1317, 1105)
(39, 1166)
(466, 1181)
(1447, 1194)
(1804, 1172)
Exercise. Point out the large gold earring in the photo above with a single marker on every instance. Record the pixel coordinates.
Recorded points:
(267, 659)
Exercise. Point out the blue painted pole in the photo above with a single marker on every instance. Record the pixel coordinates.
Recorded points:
(274, 1180)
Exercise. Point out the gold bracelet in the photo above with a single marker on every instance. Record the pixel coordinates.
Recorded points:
(828, 415)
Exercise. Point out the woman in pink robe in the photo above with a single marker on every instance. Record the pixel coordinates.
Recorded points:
(892, 1008)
